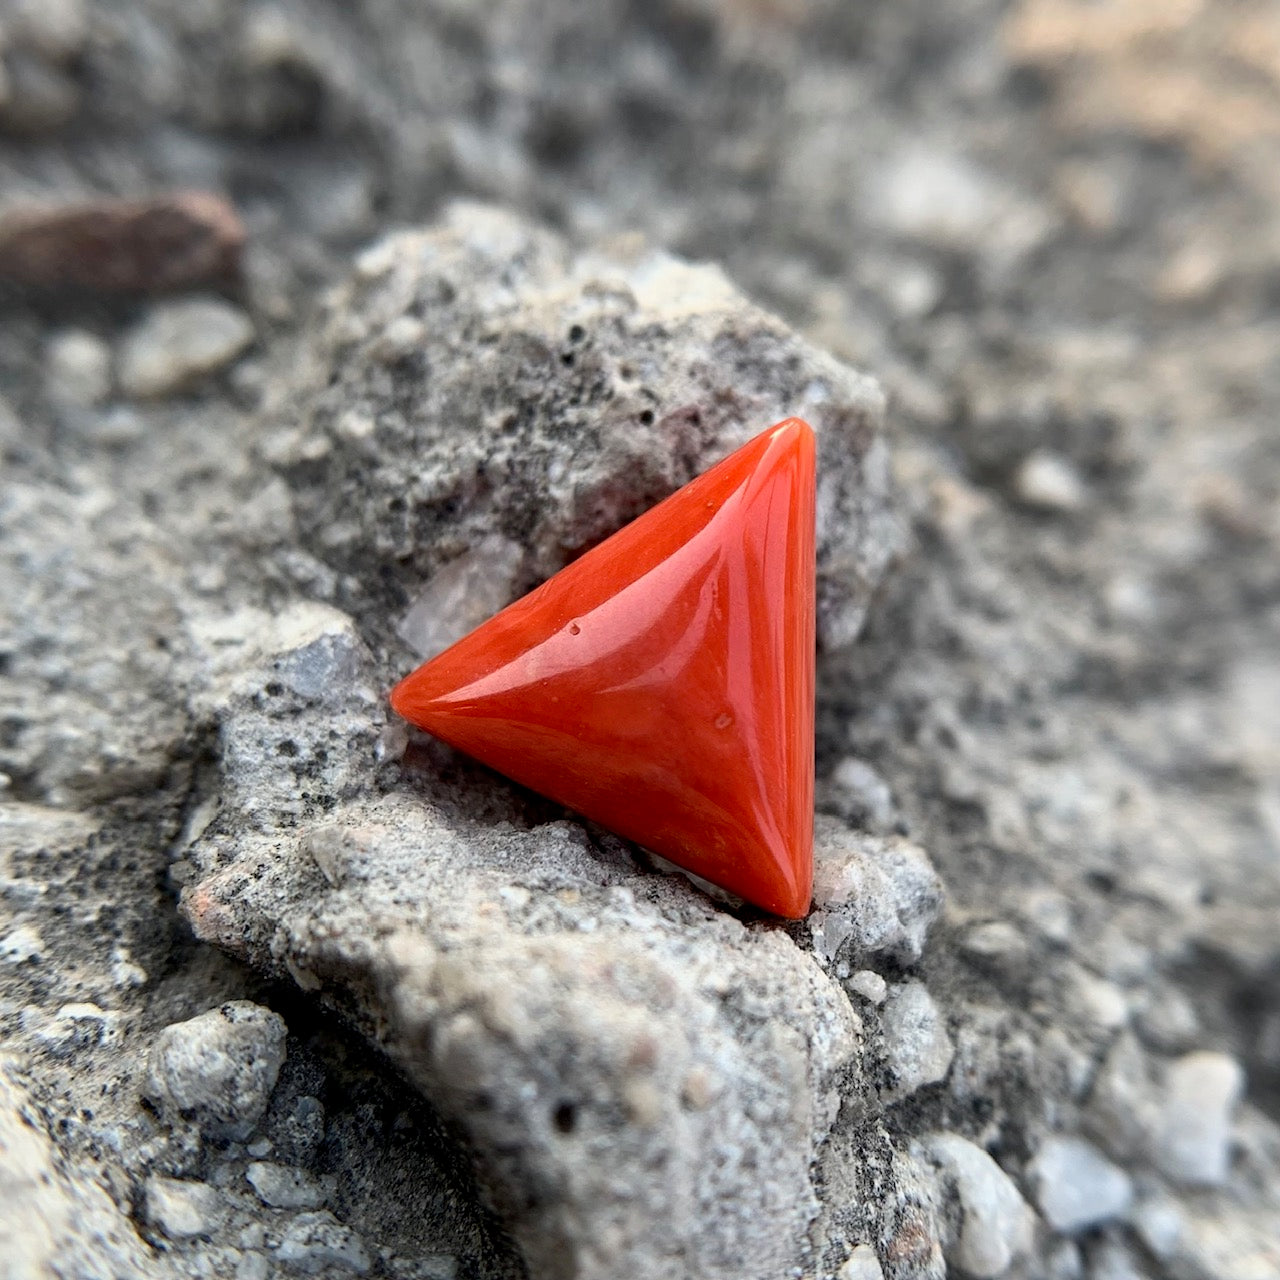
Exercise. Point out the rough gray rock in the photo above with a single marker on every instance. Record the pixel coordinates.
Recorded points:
(871, 895)
(1071, 704)
(588, 1024)
(218, 1070)
(480, 379)
(317, 1243)
(181, 1209)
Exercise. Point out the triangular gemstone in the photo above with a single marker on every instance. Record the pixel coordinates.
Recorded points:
(662, 684)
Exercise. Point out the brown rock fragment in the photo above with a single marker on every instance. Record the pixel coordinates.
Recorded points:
(154, 245)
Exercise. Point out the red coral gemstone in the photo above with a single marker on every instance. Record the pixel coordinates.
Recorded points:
(662, 683)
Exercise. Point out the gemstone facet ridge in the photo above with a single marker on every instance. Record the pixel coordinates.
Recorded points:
(662, 684)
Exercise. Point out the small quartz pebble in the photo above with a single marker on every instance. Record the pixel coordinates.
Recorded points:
(1076, 1187)
(181, 1209)
(1193, 1145)
(868, 984)
(1158, 1221)
(462, 595)
(316, 1243)
(283, 1187)
(179, 343)
(1049, 482)
(861, 1264)
(917, 1046)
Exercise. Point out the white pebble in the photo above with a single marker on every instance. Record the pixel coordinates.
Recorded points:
(1193, 1145)
(22, 944)
(1158, 1222)
(869, 985)
(318, 1242)
(995, 1222)
(1076, 1187)
(179, 343)
(181, 1209)
(917, 1045)
(283, 1187)
(1049, 482)
(77, 368)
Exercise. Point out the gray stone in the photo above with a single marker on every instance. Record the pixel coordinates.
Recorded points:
(994, 1221)
(1076, 1187)
(860, 795)
(1193, 1142)
(650, 1053)
(181, 1209)
(317, 1242)
(219, 1068)
(283, 1187)
(996, 942)
(1112, 1261)
(604, 381)
(180, 343)
(918, 1049)
(1123, 1106)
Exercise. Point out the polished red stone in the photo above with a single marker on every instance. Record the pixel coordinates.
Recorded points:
(662, 683)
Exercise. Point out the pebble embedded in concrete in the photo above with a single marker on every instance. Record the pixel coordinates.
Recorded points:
(179, 343)
(283, 1187)
(1050, 482)
(219, 1068)
(77, 368)
(316, 1243)
(181, 1209)
(1193, 1143)
(995, 1222)
(1076, 1186)
(868, 984)
(917, 1046)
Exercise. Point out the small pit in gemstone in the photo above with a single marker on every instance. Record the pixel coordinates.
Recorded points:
(574, 629)
(723, 720)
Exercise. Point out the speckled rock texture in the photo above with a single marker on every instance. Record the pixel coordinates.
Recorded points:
(480, 380)
(1031, 1028)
